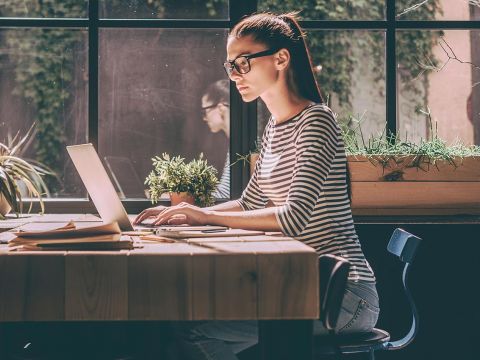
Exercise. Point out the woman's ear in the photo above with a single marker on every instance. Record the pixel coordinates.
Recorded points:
(282, 59)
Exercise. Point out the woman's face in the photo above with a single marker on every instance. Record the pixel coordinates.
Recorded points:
(213, 114)
(263, 72)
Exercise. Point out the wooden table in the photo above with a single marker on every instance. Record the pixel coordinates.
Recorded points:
(273, 279)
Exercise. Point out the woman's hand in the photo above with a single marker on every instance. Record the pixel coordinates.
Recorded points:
(148, 213)
(183, 213)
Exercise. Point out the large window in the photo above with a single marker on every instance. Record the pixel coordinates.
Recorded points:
(131, 77)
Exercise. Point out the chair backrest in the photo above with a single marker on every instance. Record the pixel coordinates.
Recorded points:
(333, 272)
(404, 245)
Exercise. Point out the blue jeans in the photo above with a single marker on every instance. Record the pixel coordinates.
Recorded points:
(222, 340)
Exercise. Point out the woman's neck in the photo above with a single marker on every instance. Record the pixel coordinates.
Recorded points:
(283, 104)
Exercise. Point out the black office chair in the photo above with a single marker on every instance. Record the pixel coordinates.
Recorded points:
(403, 245)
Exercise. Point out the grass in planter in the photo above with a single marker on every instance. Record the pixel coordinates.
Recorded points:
(391, 151)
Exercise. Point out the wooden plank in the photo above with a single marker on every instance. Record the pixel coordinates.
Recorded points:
(159, 287)
(362, 169)
(415, 195)
(288, 286)
(32, 287)
(224, 287)
(96, 286)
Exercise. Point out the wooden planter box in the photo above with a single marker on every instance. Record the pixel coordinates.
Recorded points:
(399, 189)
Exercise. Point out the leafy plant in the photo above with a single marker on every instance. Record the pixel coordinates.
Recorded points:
(172, 174)
(15, 172)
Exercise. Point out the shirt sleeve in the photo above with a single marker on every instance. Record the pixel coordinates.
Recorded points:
(315, 149)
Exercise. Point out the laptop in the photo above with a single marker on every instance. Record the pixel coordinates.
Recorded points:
(105, 198)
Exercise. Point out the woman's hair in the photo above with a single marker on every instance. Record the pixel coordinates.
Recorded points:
(283, 32)
(219, 92)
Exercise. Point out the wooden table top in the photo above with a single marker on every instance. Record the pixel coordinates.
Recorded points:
(218, 278)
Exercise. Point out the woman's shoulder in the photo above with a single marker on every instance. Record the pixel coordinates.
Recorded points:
(317, 114)
(319, 110)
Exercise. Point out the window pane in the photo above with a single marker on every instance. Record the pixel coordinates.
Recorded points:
(44, 9)
(437, 10)
(329, 10)
(350, 68)
(164, 9)
(435, 75)
(43, 80)
(152, 82)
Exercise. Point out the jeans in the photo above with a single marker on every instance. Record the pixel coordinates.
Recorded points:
(222, 340)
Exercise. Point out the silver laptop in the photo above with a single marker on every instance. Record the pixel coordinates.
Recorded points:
(98, 184)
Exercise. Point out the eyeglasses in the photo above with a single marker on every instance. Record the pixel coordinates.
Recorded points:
(205, 109)
(242, 62)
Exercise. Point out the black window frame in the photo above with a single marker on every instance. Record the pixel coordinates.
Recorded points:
(243, 115)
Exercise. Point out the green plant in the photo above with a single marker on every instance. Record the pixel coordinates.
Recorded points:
(17, 173)
(388, 150)
(172, 174)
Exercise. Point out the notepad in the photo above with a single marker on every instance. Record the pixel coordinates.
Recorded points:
(68, 230)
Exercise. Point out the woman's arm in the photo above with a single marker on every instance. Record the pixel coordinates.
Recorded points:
(260, 219)
(232, 205)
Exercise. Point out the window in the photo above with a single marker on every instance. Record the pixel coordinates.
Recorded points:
(130, 76)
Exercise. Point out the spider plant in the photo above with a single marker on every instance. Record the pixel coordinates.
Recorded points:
(20, 178)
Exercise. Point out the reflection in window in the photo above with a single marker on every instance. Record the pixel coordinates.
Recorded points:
(43, 79)
(443, 80)
(44, 9)
(153, 84)
(164, 9)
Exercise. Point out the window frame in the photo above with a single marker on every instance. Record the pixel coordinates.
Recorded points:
(243, 115)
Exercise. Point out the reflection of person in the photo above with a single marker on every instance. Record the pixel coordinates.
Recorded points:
(216, 113)
(301, 171)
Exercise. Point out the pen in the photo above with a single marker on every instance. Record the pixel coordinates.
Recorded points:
(213, 230)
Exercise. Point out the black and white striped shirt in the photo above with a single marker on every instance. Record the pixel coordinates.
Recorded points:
(302, 171)
(223, 188)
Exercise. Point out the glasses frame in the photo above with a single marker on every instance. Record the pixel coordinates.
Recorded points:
(229, 65)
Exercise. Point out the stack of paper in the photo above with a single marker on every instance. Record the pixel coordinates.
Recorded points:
(70, 237)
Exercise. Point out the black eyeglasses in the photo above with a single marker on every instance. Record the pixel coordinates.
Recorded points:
(206, 108)
(242, 62)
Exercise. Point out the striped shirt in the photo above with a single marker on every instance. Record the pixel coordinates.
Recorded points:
(302, 172)
(223, 188)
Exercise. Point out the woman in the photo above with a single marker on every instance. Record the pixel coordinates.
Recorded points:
(216, 113)
(301, 171)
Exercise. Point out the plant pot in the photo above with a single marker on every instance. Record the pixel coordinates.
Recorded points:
(398, 188)
(177, 198)
(4, 205)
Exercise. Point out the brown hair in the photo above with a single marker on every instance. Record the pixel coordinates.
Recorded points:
(284, 32)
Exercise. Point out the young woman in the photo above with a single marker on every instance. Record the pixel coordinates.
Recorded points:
(216, 113)
(301, 171)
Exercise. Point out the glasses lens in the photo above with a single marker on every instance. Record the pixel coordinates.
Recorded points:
(242, 65)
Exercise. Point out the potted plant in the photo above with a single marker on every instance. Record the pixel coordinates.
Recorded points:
(19, 178)
(192, 182)
(390, 176)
